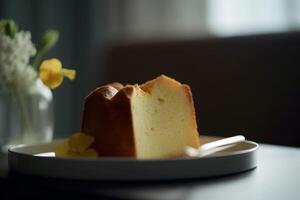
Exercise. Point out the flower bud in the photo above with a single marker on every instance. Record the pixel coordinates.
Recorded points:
(49, 39)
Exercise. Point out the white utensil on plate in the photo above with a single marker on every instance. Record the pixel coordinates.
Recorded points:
(213, 147)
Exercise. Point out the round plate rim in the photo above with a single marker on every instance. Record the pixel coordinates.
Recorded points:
(12, 150)
(130, 169)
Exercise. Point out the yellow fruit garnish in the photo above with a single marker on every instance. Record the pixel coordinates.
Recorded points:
(62, 149)
(76, 146)
(80, 141)
(52, 73)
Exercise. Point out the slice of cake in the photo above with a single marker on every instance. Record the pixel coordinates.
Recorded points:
(153, 120)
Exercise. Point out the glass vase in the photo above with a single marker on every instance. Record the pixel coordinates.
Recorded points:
(26, 117)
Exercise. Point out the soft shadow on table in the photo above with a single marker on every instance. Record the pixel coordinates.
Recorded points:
(175, 189)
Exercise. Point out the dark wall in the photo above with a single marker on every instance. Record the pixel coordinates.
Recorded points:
(248, 85)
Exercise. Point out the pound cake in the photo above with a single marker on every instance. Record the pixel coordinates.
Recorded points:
(152, 120)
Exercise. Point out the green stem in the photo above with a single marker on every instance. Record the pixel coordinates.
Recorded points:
(24, 116)
(38, 58)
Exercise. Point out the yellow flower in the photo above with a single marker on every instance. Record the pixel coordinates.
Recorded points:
(78, 145)
(52, 73)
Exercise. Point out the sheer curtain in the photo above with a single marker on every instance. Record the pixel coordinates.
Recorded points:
(192, 18)
(233, 17)
(157, 19)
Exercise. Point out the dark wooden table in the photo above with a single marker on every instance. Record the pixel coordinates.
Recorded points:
(276, 177)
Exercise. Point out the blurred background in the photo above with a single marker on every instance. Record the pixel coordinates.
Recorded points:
(241, 58)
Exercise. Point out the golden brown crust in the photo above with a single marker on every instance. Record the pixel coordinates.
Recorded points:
(107, 92)
(110, 122)
(189, 95)
(125, 92)
(117, 85)
(147, 87)
(108, 117)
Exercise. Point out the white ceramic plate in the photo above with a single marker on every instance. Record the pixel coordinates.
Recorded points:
(39, 160)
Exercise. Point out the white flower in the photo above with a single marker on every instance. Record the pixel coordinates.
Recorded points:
(15, 54)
